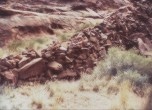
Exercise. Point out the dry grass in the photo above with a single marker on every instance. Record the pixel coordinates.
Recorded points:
(3, 52)
(126, 90)
(36, 43)
(125, 65)
(66, 34)
(129, 83)
(16, 46)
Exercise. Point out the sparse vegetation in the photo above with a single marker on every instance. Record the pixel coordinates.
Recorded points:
(66, 34)
(3, 52)
(83, 26)
(122, 81)
(126, 87)
(122, 66)
(17, 46)
(125, 64)
(130, 75)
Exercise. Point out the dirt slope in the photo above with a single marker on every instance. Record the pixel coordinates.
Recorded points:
(20, 18)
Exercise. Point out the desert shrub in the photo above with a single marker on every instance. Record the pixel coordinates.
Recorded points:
(125, 65)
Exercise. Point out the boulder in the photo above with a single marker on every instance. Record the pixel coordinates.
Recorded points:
(55, 66)
(34, 68)
(30, 53)
(6, 63)
(9, 75)
(143, 48)
(3, 68)
(24, 61)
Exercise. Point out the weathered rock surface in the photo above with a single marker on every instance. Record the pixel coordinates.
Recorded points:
(26, 18)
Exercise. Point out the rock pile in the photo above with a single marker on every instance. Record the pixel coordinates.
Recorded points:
(60, 60)
(128, 23)
(127, 26)
(22, 66)
(80, 53)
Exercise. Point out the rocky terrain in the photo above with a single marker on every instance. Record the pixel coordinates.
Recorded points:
(125, 24)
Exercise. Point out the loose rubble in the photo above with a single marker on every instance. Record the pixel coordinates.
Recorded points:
(128, 27)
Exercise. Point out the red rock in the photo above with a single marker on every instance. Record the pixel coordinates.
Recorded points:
(23, 61)
(55, 66)
(67, 74)
(34, 68)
